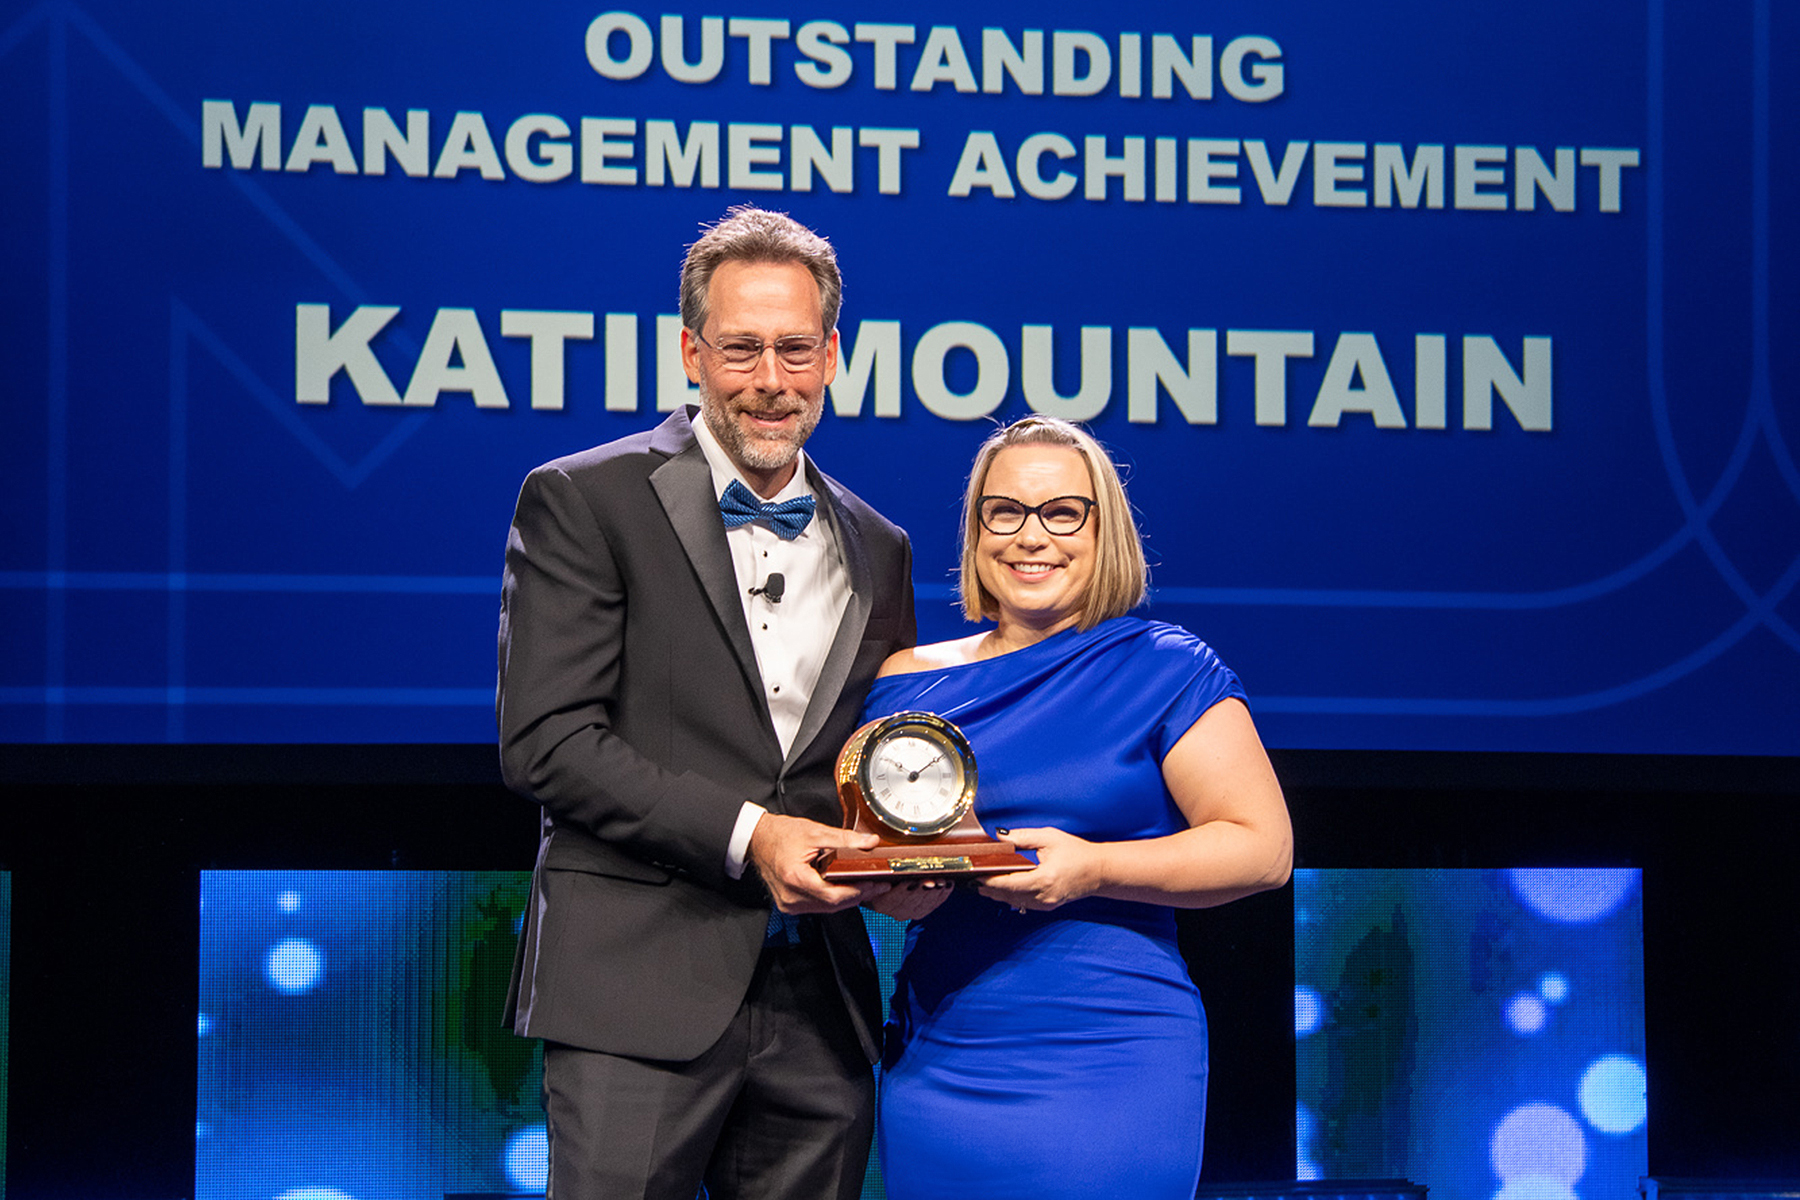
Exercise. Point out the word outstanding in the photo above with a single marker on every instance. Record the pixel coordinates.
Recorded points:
(622, 46)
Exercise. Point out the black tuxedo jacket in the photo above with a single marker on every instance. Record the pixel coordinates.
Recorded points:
(630, 707)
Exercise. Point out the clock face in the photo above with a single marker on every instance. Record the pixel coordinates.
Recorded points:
(918, 774)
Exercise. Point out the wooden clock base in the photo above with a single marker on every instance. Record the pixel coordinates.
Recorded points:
(964, 858)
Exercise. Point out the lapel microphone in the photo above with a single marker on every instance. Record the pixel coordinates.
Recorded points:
(772, 588)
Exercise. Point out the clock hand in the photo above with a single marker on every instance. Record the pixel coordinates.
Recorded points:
(914, 776)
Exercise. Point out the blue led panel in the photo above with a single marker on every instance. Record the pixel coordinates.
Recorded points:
(1481, 1032)
(350, 1037)
(350, 1045)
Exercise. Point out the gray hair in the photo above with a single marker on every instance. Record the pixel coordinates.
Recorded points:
(750, 234)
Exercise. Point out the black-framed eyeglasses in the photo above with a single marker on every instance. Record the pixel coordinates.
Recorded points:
(741, 352)
(1061, 515)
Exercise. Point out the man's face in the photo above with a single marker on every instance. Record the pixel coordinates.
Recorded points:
(763, 411)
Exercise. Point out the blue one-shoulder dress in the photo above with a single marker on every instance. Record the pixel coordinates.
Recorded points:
(1055, 1054)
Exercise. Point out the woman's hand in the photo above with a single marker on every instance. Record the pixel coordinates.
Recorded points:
(1068, 869)
(910, 901)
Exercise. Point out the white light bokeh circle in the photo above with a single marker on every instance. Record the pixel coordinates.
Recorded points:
(1553, 986)
(1613, 1094)
(1309, 1010)
(294, 965)
(1538, 1141)
(528, 1158)
(1535, 1187)
(1306, 1128)
(1526, 1014)
(1572, 895)
(288, 901)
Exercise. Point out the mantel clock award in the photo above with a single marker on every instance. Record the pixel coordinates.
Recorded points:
(909, 779)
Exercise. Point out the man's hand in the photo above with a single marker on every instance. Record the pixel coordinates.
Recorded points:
(787, 851)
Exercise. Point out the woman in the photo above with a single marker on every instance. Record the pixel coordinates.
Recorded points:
(1046, 1040)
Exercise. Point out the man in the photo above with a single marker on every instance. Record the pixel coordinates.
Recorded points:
(678, 670)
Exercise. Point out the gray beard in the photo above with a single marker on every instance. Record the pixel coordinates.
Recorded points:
(759, 454)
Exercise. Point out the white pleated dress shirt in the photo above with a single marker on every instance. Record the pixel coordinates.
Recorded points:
(791, 637)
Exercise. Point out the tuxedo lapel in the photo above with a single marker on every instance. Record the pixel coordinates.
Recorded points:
(684, 488)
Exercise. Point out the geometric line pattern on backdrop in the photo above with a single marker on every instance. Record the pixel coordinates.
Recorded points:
(1759, 426)
(1759, 423)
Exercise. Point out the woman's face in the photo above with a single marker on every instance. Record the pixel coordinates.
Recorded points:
(1039, 579)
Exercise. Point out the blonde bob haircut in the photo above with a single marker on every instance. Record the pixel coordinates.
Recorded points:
(1120, 574)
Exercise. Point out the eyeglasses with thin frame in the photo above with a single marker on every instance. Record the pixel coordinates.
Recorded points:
(1060, 515)
(742, 352)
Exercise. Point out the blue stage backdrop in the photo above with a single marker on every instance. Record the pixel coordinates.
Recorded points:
(349, 1041)
(1441, 341)
(1480, 1032)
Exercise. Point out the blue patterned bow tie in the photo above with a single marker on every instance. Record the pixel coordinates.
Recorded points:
(739, 506)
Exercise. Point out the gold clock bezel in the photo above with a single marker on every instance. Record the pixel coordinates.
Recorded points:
(929, 727)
